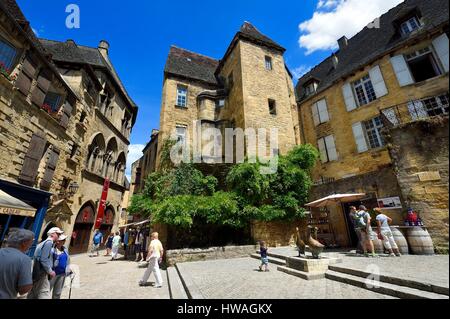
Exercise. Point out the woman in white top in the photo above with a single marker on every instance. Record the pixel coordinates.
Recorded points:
(385, 231)
(155, 253)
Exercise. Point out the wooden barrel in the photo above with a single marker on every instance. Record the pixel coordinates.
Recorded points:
(400, 240)
(419, 241)
(378, 245)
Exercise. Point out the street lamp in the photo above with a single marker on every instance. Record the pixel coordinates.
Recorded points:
(73, 188)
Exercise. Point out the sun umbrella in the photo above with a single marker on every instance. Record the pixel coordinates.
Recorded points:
(336, 198)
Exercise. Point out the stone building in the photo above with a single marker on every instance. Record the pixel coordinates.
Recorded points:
(392, 72)
(250, 87)
(66, 120)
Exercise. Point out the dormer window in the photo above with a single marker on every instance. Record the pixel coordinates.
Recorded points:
(410, 25)
(311, 88)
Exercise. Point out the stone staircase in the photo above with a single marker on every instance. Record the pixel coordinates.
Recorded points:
(387, 285)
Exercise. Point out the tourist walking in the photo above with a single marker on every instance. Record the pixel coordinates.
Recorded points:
(367, 235)
(109, 242)
(155, 252)
(126, 235)
(115, 246)
(43, 266)
(61, 267)
(384, 230)
(264, 258)
(15, 266)
(96, 242)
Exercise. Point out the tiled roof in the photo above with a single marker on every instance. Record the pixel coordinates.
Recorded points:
(70, 52)
(191, 65)
(251, 33)
(372, 43)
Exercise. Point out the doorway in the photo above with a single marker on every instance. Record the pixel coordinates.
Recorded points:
(82, 229)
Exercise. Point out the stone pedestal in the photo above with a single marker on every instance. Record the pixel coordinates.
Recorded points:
(311, 265)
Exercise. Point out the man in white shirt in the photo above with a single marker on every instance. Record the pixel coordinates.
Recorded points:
(385, 231)
(155, 253)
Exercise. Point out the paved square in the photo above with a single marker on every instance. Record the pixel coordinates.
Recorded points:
(101, 278)
(239, 278)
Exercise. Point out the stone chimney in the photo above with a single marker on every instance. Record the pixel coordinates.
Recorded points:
(70, 41)
(103, 46)
(343, 43)
(335, 60)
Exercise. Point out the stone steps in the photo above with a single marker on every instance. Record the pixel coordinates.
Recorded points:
(176, 288)
(301, 274)
(382, 287)
(393, 280)
(272, 260)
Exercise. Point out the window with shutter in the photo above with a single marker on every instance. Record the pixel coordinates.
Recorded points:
(401, 70)
(50, 168)
(349, 98)
(65, 115)
(360, 139)
(32, 158)
(25, 78)
(43, 84)
(8, 54)
(378, 82)
(440, 45)
(320, 112)
(327, 149)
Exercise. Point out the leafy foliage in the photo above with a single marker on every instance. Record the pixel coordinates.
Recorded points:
(181, 195)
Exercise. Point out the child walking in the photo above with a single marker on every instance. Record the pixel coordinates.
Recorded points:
(264, 258)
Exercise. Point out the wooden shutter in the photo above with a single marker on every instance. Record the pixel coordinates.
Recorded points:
(349, 98)
(24, 79)
(360, 138)
(441, 47)
(322, 150)
(331, 148)
(323, 111)
(65, 115)
(50, 168)
(32, 158)
(378, 82)
(401, 70)
(43, 83)
(315, 113)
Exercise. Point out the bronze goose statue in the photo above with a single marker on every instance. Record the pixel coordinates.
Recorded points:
(314, 245)
(301, 246)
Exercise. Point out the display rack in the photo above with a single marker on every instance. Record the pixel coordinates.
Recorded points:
(319, 217)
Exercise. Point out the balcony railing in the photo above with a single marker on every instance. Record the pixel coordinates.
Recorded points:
(415, 110)
(324, 180)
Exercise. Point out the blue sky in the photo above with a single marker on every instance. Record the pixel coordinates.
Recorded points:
(140, 34)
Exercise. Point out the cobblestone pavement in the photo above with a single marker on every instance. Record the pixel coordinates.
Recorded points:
(101, 278)
(239, 278)
(426, 269)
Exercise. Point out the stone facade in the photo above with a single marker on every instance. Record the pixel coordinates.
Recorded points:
(85, 137)
(421, 166)
(359, 161)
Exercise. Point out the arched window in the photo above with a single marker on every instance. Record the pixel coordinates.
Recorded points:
(119, 171)
(96, 152)
(108, 160)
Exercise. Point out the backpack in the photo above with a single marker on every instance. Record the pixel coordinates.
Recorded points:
(360, 220)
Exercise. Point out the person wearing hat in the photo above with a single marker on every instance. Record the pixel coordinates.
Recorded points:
(43, 266)
(61, 267)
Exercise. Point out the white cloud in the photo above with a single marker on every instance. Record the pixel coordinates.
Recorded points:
(300, 71)
(336, 18)
(134, 153)
(35, 32)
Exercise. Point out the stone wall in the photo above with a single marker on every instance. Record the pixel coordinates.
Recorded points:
(212, 253)
(276, 233)
(422, 170)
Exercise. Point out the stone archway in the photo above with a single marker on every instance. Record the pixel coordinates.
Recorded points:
(79, 242)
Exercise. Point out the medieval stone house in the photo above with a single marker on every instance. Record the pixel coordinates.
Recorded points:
(66, 120)
(382, 77)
